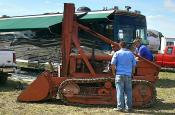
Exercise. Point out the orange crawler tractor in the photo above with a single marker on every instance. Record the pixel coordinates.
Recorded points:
(82, 78)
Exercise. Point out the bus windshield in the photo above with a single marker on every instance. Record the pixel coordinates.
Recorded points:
(129, 27)
(129, 33)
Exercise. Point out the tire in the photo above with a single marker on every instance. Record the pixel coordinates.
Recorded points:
(3, 78)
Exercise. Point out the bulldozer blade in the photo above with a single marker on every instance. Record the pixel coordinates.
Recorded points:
(38, 90)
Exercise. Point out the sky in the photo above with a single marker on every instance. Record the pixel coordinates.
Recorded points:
(160, 14)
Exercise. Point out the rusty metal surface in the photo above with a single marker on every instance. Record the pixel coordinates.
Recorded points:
(90, 94)
(37, 90)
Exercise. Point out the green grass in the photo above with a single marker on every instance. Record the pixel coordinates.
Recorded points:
(165, 103)
(165, 93)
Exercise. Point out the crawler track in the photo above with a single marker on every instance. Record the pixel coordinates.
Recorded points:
(94, 91)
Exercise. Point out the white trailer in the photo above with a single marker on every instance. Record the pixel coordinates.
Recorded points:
(166, 41)
(7, 64)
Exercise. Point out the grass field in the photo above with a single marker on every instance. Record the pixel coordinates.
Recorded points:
(165, 103)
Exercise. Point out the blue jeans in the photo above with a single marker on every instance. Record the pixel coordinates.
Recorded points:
(124, 91)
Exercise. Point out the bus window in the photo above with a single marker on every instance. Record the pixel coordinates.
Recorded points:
(126, 33)
(140, 33)
(120, 34)
(108, 31)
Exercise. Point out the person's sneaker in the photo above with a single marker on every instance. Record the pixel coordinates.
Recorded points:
(117, 109)
(128, 110)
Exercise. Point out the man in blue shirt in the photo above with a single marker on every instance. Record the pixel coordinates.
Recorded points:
(122, 65)
(142, 50)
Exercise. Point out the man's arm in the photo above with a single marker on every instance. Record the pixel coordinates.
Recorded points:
(134, 62)
(133, 70)
(113, 69)
(113, 63)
